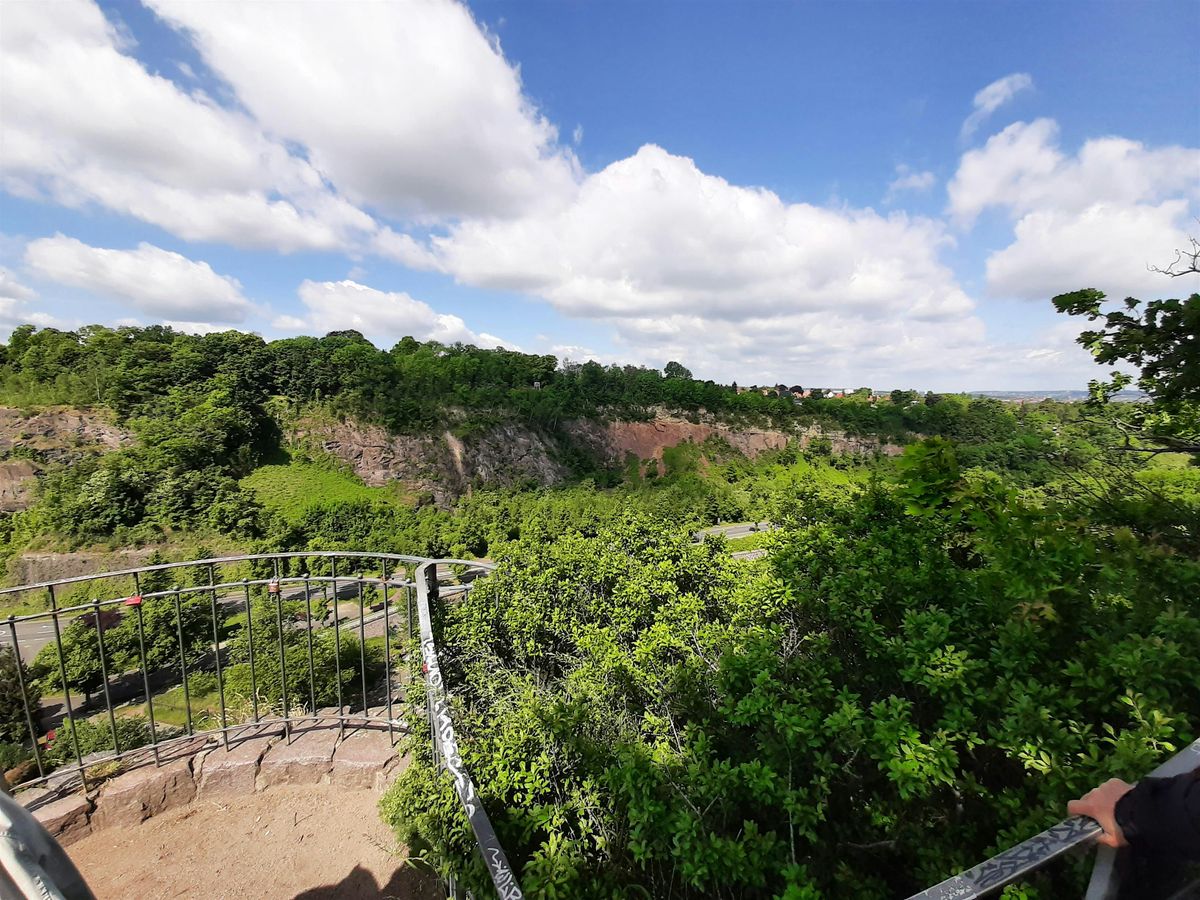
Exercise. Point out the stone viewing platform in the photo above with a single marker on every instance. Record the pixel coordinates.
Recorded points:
(259, 758)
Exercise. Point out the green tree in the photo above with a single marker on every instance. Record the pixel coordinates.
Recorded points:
(1161, 338)
(14, 728)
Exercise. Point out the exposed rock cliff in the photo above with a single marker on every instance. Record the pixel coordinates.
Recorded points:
(613, 441)
(49, 436)
(443, 466)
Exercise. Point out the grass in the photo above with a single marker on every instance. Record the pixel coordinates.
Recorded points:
(755, 541)
(170, 708)
(292, 489)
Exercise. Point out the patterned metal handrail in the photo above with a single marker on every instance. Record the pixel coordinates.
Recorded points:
(445, 743)
(1070, 834)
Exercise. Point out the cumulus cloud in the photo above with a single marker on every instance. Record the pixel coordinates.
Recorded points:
(14, 305)
(1093, 219)
(652, 234)
(908, 179)
(409, 107)
(994, 96)
(86, 124)
(382, 316)
(150, 279)
(12, 289)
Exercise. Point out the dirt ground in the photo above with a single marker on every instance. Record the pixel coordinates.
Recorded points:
(314, 842)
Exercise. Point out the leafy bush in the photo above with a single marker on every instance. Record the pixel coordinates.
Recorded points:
(95, 735)
(928, 674)
(14, 727)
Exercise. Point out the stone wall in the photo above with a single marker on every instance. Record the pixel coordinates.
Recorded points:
(257, 758)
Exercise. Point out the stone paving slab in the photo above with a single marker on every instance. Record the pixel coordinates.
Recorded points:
(66, 818)
(306, 760)
(364, 759)
(224, 773)
(145, 792)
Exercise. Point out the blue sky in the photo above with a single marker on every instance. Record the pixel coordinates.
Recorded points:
(881, 194)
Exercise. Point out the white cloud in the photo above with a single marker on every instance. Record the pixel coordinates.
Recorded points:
(14, 309)
(84, 123)
(1106, 246)
(577, 135)
(11, 289)
(151, 279)
(992, 97)
(382, 316)
(908, 179)
(652, 234)
(1094, 219)
(409, 107)
(1022, 169)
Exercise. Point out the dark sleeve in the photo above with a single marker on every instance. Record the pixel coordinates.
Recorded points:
(1162, 815)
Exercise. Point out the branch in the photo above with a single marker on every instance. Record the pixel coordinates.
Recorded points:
(1188, 260)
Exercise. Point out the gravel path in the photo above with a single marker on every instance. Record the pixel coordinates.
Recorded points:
(311, 842)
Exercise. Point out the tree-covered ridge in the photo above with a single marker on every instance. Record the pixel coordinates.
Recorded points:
(204, 411)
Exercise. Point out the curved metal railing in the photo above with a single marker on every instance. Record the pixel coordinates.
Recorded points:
(408, 584)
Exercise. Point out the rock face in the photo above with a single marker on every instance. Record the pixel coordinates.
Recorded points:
(58, 435)
(614, 441)
(31, 568)
(49, 436)
(17, 479)
(443, 466)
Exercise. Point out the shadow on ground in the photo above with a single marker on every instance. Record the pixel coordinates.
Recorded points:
(406, 883)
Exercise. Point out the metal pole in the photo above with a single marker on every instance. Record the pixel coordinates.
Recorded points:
(212, 594)
(62, 669)
(112, 721)
(273, 588)
(387, 653)
(33, 735)
(187, 696)
(250, 639)
(136, 602)
(312, 678)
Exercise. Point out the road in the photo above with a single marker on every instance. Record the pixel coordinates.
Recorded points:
(737, 530)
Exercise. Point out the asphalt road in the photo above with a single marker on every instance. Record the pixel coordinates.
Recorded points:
(740, 529)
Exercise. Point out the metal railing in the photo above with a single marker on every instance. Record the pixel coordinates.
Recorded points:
(1070, 835)
(295, 598)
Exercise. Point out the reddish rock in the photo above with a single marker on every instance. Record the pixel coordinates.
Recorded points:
(306, 760)
(224, 773)
(66, 819)
(144, 792)
(364, 759)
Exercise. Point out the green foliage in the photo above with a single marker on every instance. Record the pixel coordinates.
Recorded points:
(927, 675)
(95, 735)
(294, 489)
(335, 652)
(14, 727)
(1159, 338)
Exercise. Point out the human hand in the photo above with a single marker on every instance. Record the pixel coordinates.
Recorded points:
(1100, 804)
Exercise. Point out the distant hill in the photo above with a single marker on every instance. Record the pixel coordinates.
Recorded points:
(1063, 396)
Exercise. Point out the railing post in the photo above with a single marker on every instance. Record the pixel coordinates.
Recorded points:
(212, 596)
(387, 652)
(273, 588)
(362, 642)
(112, 721)
(136, 602)
(187, 696)
(337, 649)
(312, 677)
(33, 735)
(62, 669)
